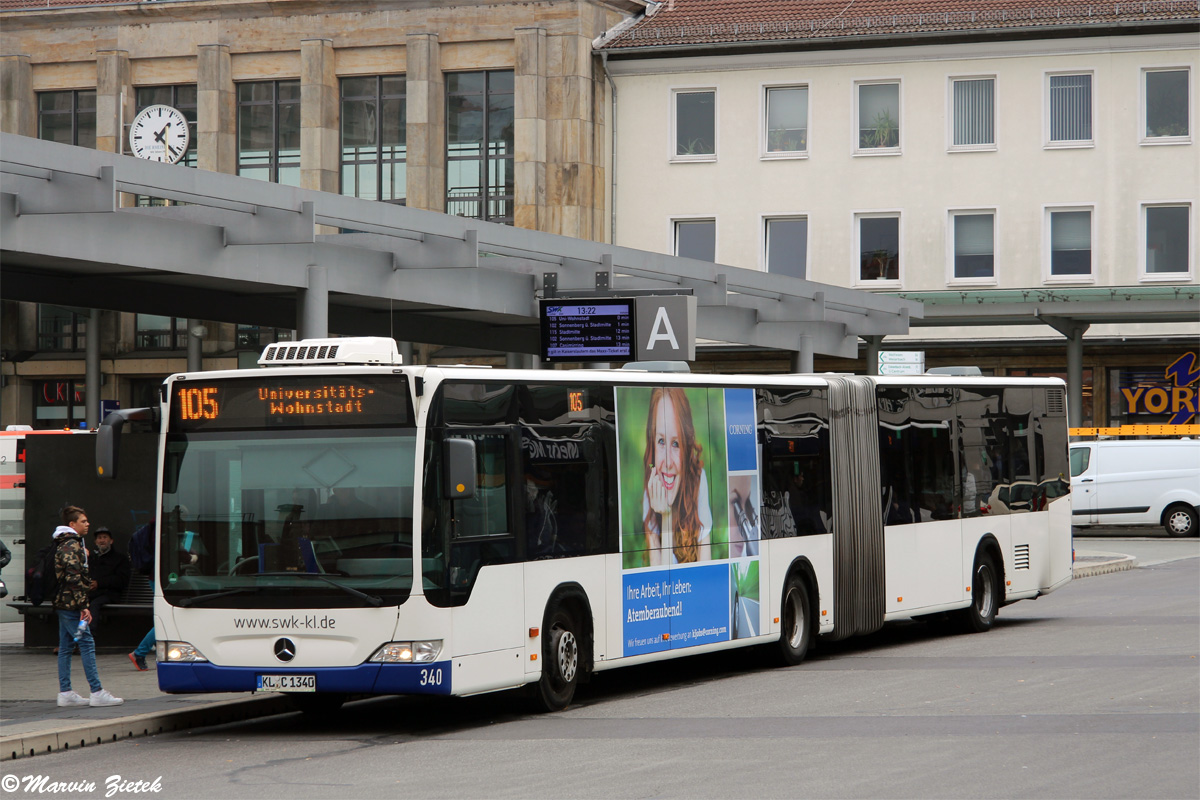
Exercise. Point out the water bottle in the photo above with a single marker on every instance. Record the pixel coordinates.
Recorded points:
(81, 630)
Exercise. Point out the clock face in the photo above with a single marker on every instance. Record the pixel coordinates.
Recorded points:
(159, 133)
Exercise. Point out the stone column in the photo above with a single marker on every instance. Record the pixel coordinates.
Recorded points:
(319, 115)
(18, 106)
(426, 127)
(802, 359)
(570, 137)
(114, 99)
(216, 113)
(530, 129)
(312, 310)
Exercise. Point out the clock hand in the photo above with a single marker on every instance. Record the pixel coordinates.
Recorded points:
(160, 137)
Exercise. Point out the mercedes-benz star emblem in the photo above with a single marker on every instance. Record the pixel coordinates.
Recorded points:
(285, 650)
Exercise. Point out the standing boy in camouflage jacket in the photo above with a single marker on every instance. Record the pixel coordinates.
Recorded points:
(71, 606)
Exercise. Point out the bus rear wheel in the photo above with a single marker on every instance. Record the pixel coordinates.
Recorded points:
(795, 633)
(985, 597)
(560, 662)
(1180, 520)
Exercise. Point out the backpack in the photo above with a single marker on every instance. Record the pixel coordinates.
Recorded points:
(41, 581)
(141, 549)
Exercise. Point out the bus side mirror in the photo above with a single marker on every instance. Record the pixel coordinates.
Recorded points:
(108, 438)
(459, 474)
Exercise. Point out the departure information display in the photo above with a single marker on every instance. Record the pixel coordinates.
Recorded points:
(579, 331)
(264, 400)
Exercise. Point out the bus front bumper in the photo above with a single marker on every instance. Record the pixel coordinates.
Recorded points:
(203, 677)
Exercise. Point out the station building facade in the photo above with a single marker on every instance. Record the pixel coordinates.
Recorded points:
(961, 154)
(493, 110)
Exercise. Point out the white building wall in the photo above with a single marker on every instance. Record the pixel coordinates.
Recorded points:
(1019, 178)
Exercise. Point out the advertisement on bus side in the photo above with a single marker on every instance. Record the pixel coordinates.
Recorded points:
(690, 512)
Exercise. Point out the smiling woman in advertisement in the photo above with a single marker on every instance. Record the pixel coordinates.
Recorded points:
(676, 514)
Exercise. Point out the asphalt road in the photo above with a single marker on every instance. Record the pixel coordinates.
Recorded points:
(1093, 691)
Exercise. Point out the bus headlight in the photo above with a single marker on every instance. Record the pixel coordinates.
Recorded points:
(177, 651)
(408, 652)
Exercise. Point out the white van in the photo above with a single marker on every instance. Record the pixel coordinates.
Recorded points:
(1142, 482)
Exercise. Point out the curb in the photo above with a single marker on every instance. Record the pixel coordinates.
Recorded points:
(149, 724)
(1103, 564)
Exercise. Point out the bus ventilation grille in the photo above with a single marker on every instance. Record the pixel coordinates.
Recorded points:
(1021, 556)
(366, 350)
(1055, 402)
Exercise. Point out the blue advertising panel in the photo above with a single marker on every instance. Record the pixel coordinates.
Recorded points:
(689, 502)
(741, 443)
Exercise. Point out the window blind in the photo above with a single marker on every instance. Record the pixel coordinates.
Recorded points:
(973, 112)
(1070, 108)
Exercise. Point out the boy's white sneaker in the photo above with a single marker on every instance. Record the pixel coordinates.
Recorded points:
(104, 698)
(71, 699)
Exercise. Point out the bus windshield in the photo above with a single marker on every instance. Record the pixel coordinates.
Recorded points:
(256, 519)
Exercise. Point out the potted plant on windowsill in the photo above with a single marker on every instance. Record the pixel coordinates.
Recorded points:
(885, 131)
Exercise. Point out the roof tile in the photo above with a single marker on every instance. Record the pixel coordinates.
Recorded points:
(700, 22)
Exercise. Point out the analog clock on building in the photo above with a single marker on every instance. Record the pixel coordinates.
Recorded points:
(159, 133)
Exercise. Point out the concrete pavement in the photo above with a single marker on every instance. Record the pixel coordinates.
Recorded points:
(31, 723)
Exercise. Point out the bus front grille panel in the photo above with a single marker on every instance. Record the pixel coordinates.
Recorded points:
(858, 572)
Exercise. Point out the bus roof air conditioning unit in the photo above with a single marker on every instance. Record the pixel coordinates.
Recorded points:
(364, 350)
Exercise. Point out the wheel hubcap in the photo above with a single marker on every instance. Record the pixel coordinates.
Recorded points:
(568, 656)
(1180, 522)
(984, 578)
(795, 618)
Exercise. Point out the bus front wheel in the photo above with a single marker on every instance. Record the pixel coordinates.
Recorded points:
(560, 662)
(795, 629)
(985, 597)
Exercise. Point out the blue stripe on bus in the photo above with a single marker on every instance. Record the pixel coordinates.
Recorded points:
(362, 679)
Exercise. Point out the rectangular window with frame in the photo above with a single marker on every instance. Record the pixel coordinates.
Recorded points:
(1166, 101)
(62, 330)
(694, 114)
(696, 238)
(974, 120)
(787, 246)
(787, 121)
(1070, 242)
(1069, 108)
(878, 247)
(374, 145)
(68, 117)
(479, 145)
(1168, 242)
(269, 131)
(974, 235)
(877, 114)
(257, 336)
(156, 332)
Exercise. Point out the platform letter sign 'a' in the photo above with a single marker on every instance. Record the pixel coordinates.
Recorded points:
(666, 328)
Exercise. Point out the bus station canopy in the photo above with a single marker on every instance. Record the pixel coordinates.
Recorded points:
(235, 249)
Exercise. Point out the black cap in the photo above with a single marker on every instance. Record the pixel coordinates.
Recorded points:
(101, 530)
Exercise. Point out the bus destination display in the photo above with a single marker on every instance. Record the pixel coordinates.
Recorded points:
(599, 331)
(290, 401)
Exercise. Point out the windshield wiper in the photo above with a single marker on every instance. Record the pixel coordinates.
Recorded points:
(204, 598)
(370, 599)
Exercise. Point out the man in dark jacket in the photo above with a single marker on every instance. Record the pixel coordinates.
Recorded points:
(109, 570)
(71, 606)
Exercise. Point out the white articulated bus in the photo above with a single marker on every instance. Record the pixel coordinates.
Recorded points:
(338, 524)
